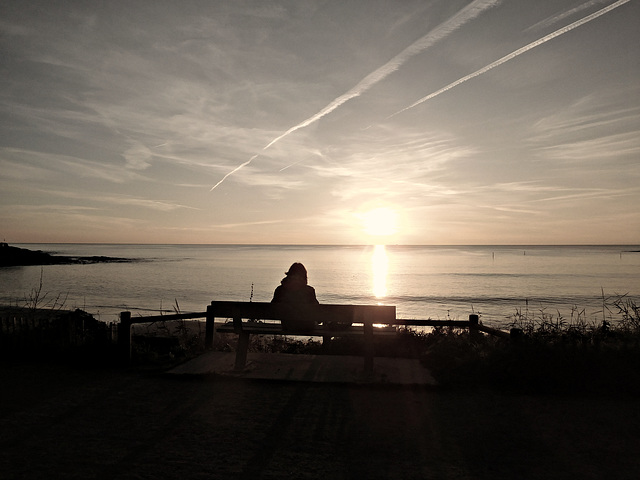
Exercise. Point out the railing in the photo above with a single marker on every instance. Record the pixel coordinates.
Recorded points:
(126, 321)
(473, 324)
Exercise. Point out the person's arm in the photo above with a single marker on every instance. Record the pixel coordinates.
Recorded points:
(277, 295)
(312, 295)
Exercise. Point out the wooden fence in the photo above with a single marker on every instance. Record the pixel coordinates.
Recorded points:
(126, 322)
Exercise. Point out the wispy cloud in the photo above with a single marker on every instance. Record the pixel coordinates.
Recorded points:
(547, 22)
(603, 126)
(514, 54)
(128, 200)
(590, 194)
(467, 14)
(91, 201)
(137, 156)
(601, 111)
(29, 165)
(609, 147)
(111, 120)
(249, 224)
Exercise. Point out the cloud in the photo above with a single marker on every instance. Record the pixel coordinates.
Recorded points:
(29, 165)
(590, 194)
(614, 147)
(249, 224)
(138, 113)
(442, 31)
(96, 202)
(602, 126)
(547, 22)
(599, 111)
(137, 156)
(127, 200)
(514, 54)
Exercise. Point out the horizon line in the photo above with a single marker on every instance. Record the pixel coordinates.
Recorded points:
(342, 244)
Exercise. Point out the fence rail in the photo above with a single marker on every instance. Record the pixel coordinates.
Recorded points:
(126, 322)
(25, 329)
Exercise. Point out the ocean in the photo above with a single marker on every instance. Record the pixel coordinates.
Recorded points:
(437, 282)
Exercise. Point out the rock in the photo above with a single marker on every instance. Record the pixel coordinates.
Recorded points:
(14, 256)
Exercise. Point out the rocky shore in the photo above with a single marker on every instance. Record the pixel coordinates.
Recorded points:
(14, 256)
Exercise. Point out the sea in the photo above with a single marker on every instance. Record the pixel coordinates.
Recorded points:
(500, 283)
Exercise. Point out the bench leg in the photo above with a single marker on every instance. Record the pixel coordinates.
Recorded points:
(241, 351)
(368, 348)
(209, 329)
(326, 342)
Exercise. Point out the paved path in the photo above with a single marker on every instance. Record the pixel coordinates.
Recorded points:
(67, 422)
(310, 368)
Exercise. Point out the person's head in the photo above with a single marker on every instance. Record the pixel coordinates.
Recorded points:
(297, 271)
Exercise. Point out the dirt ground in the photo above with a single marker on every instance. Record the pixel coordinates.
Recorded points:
(58, 421)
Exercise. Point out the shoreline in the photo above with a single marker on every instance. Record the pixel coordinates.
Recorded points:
(20, 257)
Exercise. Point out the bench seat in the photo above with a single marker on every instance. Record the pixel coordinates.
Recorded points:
(334, 321)
(260, 328)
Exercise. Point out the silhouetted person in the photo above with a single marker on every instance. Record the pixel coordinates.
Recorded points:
(294, 288)
(295, 293)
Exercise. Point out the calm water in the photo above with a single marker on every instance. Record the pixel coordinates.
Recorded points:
(423, 282)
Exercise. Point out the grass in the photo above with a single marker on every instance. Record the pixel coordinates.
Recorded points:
(546, 352)
(38, 300)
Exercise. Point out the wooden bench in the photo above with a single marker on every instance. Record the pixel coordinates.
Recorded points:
(257, 318)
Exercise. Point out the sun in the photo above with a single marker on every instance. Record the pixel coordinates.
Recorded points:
(382, 221)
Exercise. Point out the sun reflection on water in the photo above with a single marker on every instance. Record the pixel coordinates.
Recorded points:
(380, 266)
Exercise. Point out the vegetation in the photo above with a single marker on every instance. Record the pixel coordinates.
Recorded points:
(546, 353)
(37, 299)
(54, 334)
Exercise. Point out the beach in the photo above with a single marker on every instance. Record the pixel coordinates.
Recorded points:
(63, 421)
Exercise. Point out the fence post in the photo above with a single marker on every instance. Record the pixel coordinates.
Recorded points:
(208, 330)
(124, 336)
(474, 333)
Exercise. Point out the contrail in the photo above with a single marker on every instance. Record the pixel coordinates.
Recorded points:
(468, 13)
(556, 18)
(234, 171)
(512, 55)
(463, 16)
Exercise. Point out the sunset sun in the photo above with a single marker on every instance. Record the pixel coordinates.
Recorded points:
(382, 221)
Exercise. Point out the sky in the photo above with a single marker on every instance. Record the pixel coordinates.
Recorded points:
(429, 122)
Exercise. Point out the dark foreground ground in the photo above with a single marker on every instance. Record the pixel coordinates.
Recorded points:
(63, 422)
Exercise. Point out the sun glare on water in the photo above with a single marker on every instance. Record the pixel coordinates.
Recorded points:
(379, 266)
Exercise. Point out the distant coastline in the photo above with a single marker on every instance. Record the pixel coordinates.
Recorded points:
(18, 257)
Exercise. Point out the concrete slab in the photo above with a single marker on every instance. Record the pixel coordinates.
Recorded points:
(310, 368)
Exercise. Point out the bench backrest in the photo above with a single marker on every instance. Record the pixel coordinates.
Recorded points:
(381, 314)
